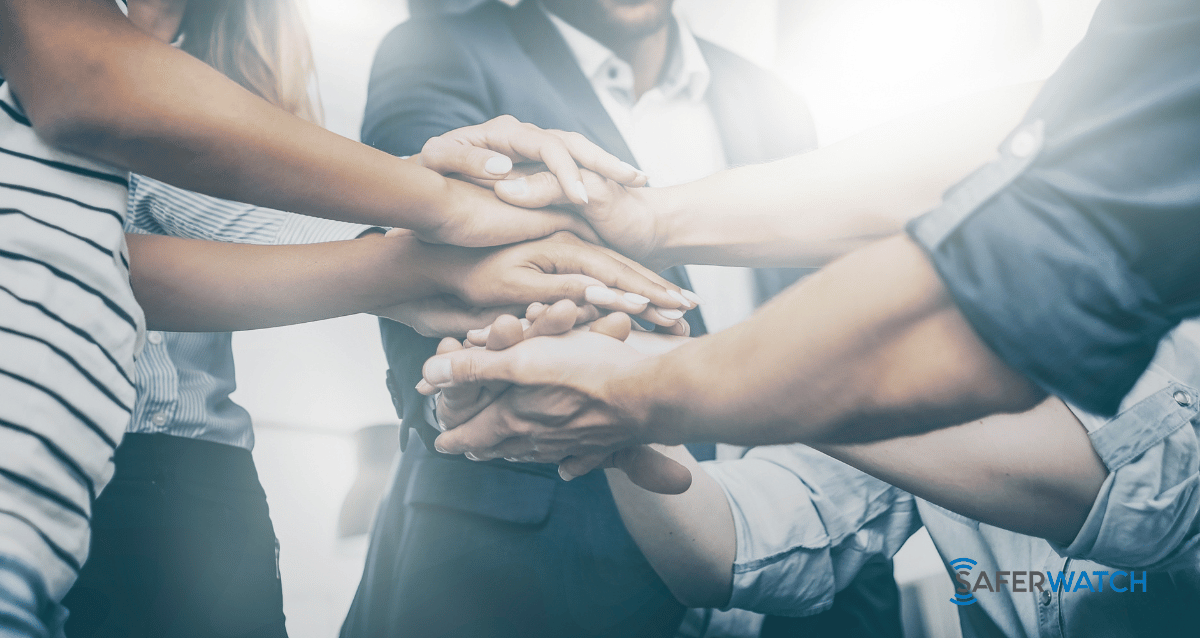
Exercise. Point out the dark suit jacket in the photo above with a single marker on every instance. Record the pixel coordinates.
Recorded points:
(436, 73)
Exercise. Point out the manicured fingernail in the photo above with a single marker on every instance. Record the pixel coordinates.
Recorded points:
(526, 324)
(565, 475)
(634, 298)
(498, 165)
(424, 388)
(693, 297)
(437, 445)
(580, 191)
(479, 335)
(514, 187)
(472, 457)
(438, 372)
(599, 295)
(631, 167)
(511, 459)
(670, 313)
(680, 298)
(395, 231)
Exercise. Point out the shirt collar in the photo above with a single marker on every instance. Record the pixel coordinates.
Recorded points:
(686, 74)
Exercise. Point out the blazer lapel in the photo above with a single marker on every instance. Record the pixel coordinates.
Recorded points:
(545, 46)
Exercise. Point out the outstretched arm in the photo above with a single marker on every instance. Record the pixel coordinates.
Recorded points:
(94, 84)
(871, 347)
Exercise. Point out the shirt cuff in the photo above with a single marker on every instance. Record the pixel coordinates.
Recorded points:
(302, 229)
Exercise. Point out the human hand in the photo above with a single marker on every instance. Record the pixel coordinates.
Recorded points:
(627, 219)
(558, 267)
(466, 402)
(486, 152)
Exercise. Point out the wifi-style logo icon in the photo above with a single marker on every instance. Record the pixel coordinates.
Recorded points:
(962, 570)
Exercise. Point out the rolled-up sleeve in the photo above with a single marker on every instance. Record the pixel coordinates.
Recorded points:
(1147, 514)
(1075, 252)
(805, 524)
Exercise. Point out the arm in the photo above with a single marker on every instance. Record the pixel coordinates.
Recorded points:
(190, 285)
(94, 84)
(806, 210)
(871, 347)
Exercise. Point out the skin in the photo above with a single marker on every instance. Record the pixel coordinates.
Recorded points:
(75, 64)
(194, 285)
(1033, 473)
(637, 31)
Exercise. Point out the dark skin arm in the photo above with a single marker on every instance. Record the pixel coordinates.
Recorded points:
(94, 84)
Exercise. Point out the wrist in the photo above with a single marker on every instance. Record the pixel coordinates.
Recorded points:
(421, 261)
(669, 214)
(641, 401)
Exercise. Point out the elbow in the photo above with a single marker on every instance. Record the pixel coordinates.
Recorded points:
(82, 110)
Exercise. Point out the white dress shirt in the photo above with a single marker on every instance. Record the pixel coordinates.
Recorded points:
(673, 135)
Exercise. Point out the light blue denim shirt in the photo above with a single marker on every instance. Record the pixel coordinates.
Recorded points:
(184, 379)
(806, 523)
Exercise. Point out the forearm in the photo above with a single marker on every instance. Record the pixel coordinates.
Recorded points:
(870, 347)
(94, 84)
(1034, 473)
(688, 538)
(189, 285)
(807, 210)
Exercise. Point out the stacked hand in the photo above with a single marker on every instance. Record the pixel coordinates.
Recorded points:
(560, 181)
(558, 410)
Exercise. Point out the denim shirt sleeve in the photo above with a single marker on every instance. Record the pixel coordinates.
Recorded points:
(1147, 514)
(805, 524)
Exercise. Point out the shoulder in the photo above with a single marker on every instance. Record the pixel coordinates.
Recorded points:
(426, 34)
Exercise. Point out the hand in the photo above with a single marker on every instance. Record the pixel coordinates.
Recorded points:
(645, 467)
(626, 219)
(486, 152)
(558, 267)
(446, 315)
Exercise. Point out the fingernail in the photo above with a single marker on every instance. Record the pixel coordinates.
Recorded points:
(476, 335)
(631, 167)
(424, 388)
(634, 298)
(564, 475)
(580, 191)
(437, 445)
(438, 372)
(680, 298)
(526, 324)
(498, 165)
(472, 457)
(514, 187)
(511, 459)
(599, 295)
(670, 313)
(693, 297)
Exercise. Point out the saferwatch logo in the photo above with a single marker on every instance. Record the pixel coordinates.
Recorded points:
(967, 582)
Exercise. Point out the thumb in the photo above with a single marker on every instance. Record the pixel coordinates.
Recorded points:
(534, 191)
(448, 156)
(474, 365)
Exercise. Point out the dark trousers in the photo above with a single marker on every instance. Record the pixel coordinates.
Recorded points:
(182, 547)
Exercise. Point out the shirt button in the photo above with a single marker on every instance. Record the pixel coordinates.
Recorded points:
(1182, 398)
(155, 337)
(1023, 144)
(612, 72)
(159, 419)
(1045, 597)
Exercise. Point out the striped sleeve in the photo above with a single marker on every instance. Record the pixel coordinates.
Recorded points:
(158, 208)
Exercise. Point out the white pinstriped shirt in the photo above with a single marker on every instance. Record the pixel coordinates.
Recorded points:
(184, 379)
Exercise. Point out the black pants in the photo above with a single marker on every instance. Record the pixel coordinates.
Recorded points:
(182, 547)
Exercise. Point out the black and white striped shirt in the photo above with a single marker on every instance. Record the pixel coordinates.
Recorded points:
(69, 329)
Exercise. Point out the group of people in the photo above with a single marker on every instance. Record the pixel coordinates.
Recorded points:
(997, 347)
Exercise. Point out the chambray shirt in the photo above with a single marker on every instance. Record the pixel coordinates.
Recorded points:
(1077, 250)
(184, 379)
(806, 523)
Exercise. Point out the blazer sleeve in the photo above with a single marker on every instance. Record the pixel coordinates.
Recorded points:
(424, 82)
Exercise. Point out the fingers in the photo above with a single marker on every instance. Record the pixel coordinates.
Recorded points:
(594, 158)
(444, 346)
(537, 144)
(533, 191)
(506, 332)
(555, 320)
(617, 325)
(446, 156)
(650, 470)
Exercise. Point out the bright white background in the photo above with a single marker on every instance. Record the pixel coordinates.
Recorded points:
(858, 62)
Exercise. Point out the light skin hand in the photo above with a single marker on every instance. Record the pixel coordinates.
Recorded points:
(645, 467)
